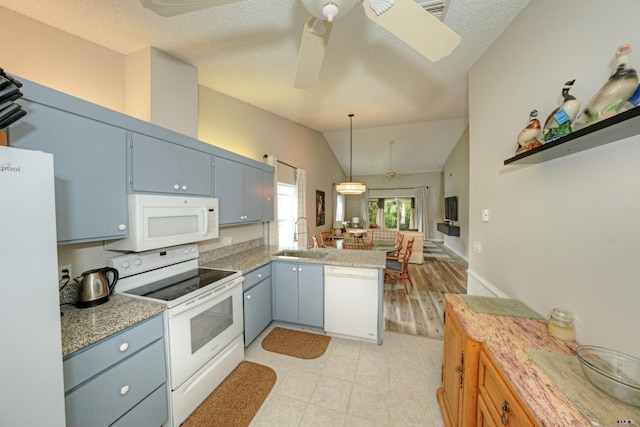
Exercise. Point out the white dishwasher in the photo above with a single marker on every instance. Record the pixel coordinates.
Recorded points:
(352, 303)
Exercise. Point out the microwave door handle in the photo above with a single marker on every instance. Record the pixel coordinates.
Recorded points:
(205, 217)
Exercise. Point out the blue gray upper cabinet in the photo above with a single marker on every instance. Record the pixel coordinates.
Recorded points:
(159, 166)
(239, 189)
(89, 166)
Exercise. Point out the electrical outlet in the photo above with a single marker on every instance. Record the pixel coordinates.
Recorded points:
(477, 246)
(64, 273)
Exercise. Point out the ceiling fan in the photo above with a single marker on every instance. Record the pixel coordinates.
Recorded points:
(405, 19)
(391, 173)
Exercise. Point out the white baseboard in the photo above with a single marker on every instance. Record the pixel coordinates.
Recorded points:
(477, 285)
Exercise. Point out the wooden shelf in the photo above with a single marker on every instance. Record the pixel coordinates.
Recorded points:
(611, 129)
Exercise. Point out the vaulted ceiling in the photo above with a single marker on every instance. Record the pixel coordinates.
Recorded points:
(248, 50)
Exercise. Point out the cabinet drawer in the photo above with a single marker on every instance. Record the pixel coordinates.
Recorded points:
(498, 399)
(85, 363)
(114, 392)
(256, 276)
(151, 412)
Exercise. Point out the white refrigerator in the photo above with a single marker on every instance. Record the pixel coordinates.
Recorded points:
(31, 381)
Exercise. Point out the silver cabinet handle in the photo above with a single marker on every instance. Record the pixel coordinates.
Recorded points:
(122, 227)
(124, 347)
(184, 188)
(176, 187)
(249, 296)
(124, 390)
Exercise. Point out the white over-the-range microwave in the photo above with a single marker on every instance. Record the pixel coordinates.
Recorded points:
(161, 221)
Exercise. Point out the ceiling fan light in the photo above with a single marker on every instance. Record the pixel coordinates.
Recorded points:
(330, 11)
(316, 7)
(351, 188)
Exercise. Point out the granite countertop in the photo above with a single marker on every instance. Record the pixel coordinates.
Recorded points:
(251, 259)
(82, 327)
(514, 341)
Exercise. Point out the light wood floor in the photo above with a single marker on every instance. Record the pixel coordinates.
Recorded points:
(422, 311)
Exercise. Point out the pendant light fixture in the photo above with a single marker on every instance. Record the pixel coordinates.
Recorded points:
(350, 187)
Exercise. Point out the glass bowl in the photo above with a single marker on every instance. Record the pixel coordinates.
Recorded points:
(615, 373)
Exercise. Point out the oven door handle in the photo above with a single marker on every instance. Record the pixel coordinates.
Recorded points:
(202, 299)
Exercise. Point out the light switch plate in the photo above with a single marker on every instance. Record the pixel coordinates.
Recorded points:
(485, 215)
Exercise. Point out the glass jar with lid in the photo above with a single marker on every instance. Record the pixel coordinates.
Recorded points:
(561, 325)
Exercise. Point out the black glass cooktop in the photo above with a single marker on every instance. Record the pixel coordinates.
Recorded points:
(182, 284)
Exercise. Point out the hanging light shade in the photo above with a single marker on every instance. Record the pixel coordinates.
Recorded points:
(350, 187)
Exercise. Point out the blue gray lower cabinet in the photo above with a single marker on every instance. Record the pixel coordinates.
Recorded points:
(257, 302)
(298, 293)
(121, 380)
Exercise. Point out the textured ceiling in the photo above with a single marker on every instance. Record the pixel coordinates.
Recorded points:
(248, 50)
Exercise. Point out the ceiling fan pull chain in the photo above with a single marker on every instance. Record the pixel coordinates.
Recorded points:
(380, 6)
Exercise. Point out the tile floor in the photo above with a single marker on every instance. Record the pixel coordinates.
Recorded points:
(354, 384)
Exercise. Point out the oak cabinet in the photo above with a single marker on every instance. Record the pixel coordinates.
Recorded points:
(459, 392)
(498, 403)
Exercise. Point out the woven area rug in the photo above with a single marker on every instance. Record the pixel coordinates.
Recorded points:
(300, 344)
(433, 252)
(237, 400)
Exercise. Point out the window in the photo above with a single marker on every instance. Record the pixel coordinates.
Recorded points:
(396, 212)
(287, 210)
(339, 208)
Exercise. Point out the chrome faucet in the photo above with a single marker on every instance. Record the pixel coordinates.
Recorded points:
(295, 230)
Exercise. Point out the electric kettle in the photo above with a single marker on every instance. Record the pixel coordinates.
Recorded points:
(94, 288)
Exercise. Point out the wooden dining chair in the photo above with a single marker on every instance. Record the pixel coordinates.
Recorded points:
(327, 239)
(397, 253)
(399, 269)
(358, 246)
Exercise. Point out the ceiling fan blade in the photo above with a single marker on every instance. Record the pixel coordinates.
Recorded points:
(176, 7)
(415, 26)
(315, 38)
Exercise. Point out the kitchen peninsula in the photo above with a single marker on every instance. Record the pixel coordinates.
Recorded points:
(294, 290)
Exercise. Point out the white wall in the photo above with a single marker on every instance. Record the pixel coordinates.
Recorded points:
(456, 183)
(252, 132)
(563, 233)
(61, 61)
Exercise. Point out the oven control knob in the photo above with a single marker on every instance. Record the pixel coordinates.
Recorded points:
(126, 264)
(185, 251)
(137, 261)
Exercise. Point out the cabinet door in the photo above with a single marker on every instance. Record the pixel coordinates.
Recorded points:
(90, 170)
(452, 368)
(285, 294)
(163, 167)
(268, 196)
(499, 402)
(311, 295)
(229, 190)
(252, 194)
(257, 310)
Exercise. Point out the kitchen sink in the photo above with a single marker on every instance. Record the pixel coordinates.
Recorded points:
(296, 254)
